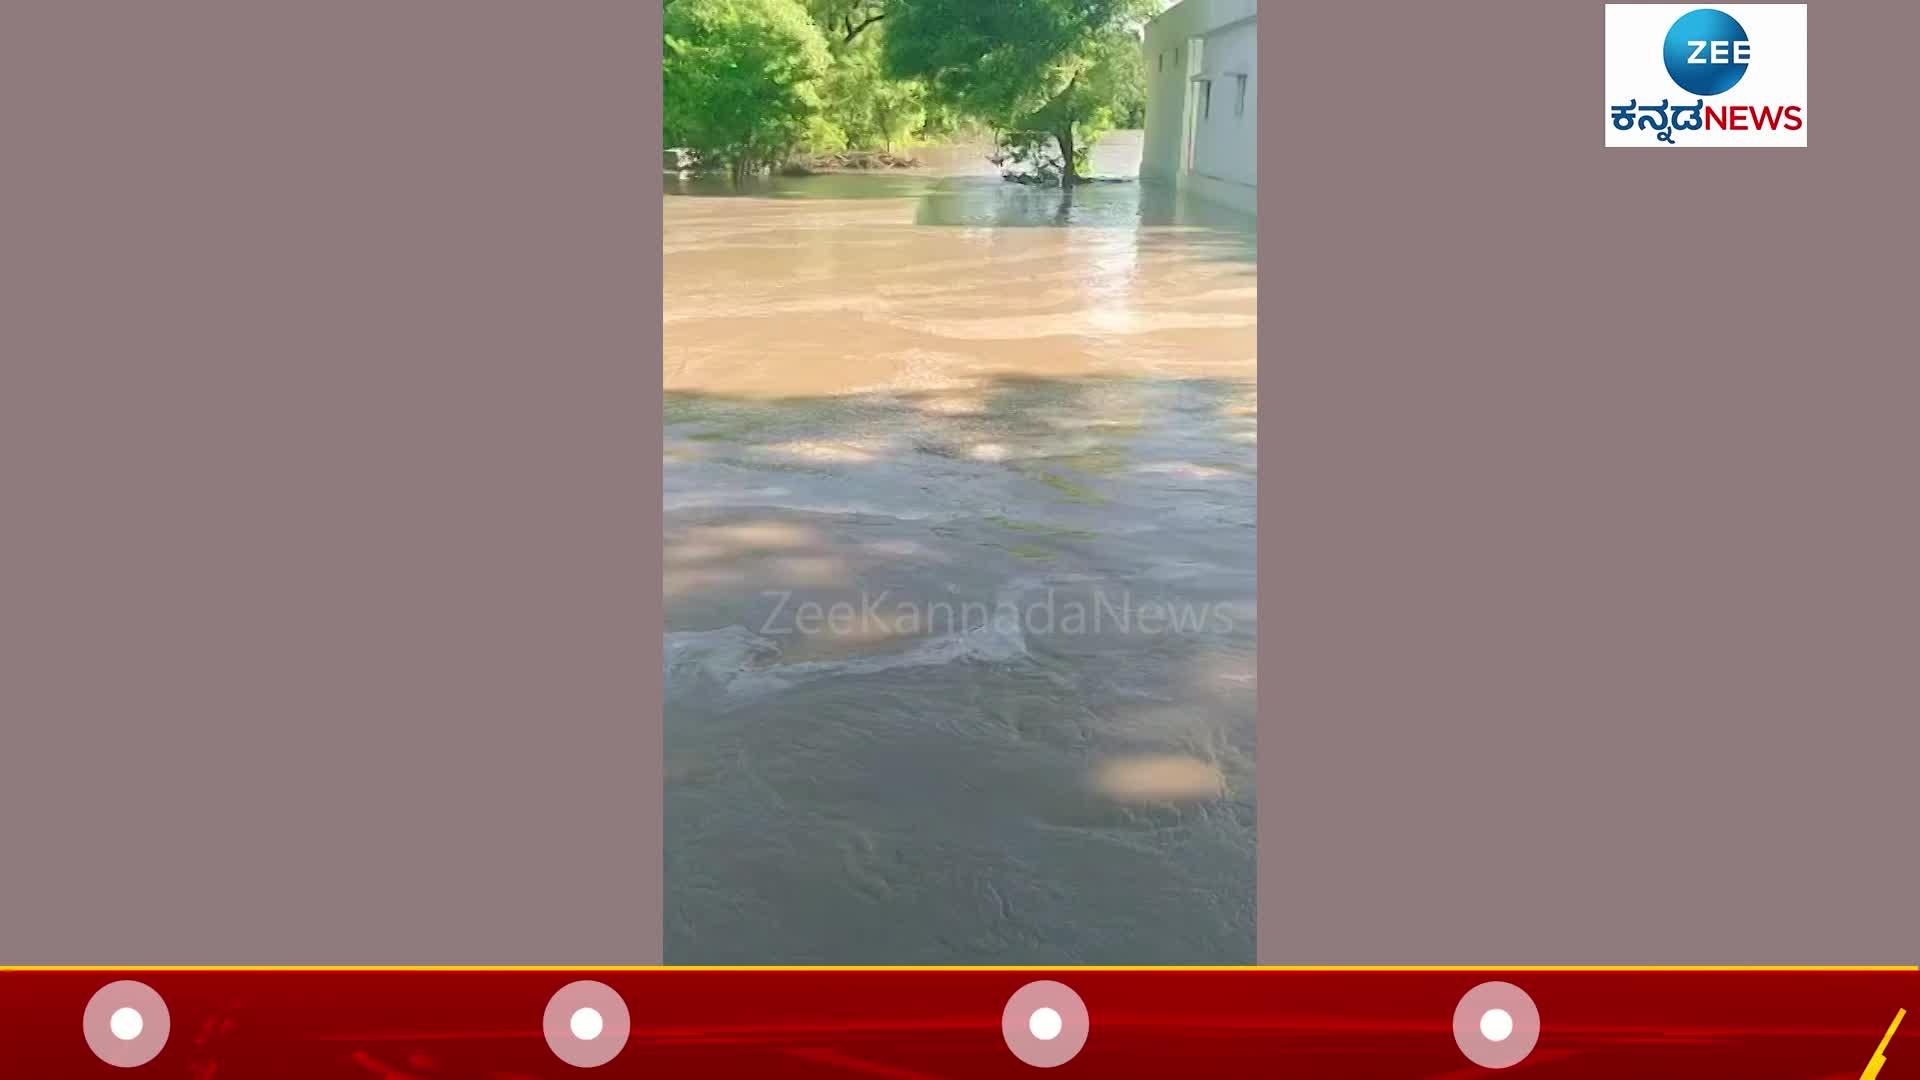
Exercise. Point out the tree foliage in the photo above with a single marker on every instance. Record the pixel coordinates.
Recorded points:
(1068, 68)
(843, 21)
(862, 105)
(747, 82)
(1107, 84)
(740, 78)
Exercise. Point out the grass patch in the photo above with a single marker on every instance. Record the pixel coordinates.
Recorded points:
(1068, 488)
(1038, 529)
(762, 465)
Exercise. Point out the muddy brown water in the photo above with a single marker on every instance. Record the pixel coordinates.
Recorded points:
(959, 570)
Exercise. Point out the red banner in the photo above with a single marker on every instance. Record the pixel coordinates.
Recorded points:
(914, 1023)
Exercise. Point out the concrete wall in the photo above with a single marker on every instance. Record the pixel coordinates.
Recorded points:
(1199, 139)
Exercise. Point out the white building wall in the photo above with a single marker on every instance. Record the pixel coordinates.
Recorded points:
(1203, 91)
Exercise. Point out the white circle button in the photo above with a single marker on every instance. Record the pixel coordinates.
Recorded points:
(1496, 1025)
(1045, 1023)
(126, 1024)
(586, 1024)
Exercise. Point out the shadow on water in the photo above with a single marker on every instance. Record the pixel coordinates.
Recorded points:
(1015, 405)
(1030, 794)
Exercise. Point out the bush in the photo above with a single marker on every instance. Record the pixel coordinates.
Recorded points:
(740, 79)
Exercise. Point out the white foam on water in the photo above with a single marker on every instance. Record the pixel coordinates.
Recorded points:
(709, 497)
(735, 665)
(711, 659)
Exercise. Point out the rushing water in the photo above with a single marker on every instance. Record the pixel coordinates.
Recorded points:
(959, 492)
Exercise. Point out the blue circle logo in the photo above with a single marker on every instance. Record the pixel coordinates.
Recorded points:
(1707, 52)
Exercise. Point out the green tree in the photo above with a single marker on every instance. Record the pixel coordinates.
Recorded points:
(843, 21)
(1066, 68)
(870, 108)
(1107, 80)
(740, 79)
(862, 104)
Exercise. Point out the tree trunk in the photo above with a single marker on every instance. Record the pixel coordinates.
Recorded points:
(1068, 177)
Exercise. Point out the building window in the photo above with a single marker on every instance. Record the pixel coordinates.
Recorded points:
(1240, 96)
(1206, 99)
(1163, 60)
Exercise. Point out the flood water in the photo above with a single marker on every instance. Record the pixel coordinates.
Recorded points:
(959, 570)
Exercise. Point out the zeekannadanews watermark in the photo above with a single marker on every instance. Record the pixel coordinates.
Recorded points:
(882, 614)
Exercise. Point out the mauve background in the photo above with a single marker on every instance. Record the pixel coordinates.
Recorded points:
(1589, 591)
(329, 489)
(329, 493)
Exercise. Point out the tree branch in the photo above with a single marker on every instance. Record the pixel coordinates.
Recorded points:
(853, 31)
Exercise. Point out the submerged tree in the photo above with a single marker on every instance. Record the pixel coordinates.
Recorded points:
(1106, 82)
(740, 79)
(1064, 68)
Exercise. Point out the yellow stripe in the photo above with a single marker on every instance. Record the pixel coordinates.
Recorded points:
(1879, 1059)
(987, 967)
(1891, 1028)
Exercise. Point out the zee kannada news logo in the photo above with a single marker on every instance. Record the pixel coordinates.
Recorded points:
(1707, 53)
